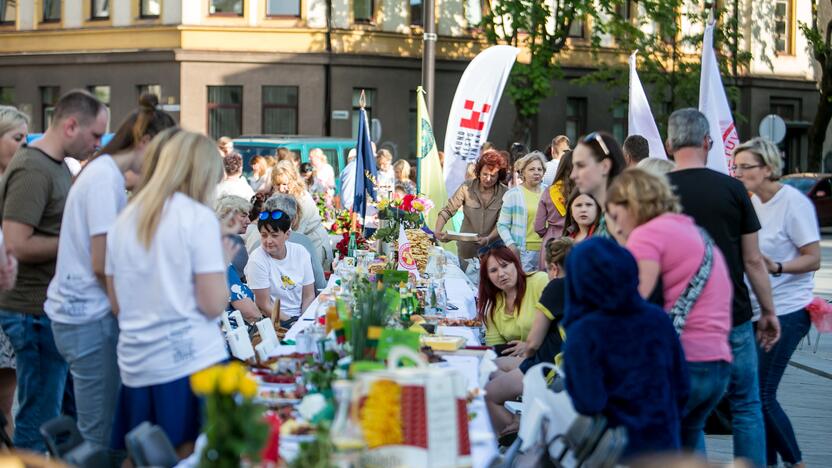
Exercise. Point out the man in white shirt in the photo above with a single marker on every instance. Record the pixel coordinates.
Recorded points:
(348, 181)
(325, 174)
(560, 145)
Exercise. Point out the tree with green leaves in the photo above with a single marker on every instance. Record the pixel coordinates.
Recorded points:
(541, 28)
(668, 60)
(818, 35)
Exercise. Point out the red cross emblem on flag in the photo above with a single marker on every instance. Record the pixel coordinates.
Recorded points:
(474, 122)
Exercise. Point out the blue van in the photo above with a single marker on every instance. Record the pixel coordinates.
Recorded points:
(335, 149)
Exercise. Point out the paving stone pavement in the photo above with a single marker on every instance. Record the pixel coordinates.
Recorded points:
(806, 389)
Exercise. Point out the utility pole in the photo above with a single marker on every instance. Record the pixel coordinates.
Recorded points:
(429, 53)
(328, 72)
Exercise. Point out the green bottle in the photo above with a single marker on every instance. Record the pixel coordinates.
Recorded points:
(405, 304)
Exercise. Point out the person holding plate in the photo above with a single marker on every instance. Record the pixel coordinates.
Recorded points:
(480, 200)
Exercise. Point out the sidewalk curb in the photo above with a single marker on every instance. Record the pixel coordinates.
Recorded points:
(811, 370)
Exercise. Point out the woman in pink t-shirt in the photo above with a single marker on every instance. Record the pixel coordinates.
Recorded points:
(674, 253)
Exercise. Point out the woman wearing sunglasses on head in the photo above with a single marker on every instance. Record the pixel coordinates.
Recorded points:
(280, 270)
(596, 161)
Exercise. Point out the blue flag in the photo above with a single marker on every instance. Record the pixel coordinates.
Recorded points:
(365, 166)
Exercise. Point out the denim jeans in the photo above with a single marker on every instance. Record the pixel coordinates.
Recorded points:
(90, 350)
(744, 397)
(779, 433)
(41, 375)
(708, 382)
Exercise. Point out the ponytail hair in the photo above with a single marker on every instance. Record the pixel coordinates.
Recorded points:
(147, 120)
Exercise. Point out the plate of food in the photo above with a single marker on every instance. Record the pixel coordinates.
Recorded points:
(462, 236)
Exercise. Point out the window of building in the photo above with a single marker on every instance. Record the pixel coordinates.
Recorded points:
(473, 12)
(150, 8)
(51, 10)
(575, 118)
(619, 122)
(48, 98)
(783, 27)
(226, 7)
(283, 8)
(370, 97)
(577, 29)
(416, 11)
(8, 11)
(100, 9)
(6, 96)
(102, 92)
(363, 10)
(225, 111)
(623, 9)
(789, 109)
(150, 89)
(280, 110)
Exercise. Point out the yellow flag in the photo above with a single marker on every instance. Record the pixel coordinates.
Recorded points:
(431, 177)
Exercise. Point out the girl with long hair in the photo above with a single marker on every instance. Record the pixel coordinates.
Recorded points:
(85, 329)
(166, 280)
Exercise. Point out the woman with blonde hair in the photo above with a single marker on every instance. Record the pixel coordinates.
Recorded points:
(516, 222)
(790, 243)
(14, 125)
(672, 251)
(404, 184)
(166, 281)
(286, 179)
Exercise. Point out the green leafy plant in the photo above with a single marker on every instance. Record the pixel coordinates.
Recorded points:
(316, 453)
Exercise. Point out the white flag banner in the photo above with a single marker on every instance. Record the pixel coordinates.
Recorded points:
(406, 260)
(640, 119)
(714, 104)
(473, 109)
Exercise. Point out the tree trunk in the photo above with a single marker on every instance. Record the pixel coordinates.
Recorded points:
(521, 131)
(817, 132)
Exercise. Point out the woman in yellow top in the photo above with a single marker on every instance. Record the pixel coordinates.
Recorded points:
(516, 221)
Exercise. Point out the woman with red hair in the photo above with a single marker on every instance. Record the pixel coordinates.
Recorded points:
(480, 200)
(509, 305)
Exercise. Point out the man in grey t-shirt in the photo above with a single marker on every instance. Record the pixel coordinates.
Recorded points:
(32, 195)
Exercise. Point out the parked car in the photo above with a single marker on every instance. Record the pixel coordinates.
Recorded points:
(818, 187)
(336, 149)
(37, 136)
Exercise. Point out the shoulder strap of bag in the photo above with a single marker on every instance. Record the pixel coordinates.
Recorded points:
(683, 305)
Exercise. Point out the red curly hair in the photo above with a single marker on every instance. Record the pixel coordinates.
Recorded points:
(492, 159)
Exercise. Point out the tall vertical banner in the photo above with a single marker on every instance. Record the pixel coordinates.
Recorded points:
(714, 104)
(473, 110)
(640, 119)
(431, 180)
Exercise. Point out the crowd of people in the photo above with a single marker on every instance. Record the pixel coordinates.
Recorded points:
(661, 287)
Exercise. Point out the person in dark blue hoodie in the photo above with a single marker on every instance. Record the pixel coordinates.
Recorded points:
(622, 357)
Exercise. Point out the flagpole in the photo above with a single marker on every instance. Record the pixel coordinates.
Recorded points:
(429, 53)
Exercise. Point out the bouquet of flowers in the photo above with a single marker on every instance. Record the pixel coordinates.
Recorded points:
(341, 224)
(234, 424)
(408, 211)
(343, 245)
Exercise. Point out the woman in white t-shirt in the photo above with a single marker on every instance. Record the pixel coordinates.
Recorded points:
(84, 327)
(166, 279)
(790, 242)
(279, 269)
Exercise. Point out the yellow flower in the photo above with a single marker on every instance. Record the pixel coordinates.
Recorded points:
(229, 379)
(418, 206)
(383, 204)
(204, 381)
(381, 418)
(248, 387)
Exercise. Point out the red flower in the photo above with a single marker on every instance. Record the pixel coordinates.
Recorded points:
(407, 202)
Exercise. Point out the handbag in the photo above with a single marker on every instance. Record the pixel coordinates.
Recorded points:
(685, 302)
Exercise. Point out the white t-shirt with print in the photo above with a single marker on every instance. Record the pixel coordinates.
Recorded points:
(284, 278)
(75, 296)
(788, 221)
(163, 334)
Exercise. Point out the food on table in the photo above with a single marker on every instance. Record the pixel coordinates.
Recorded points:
(471, 323)
(420, 245)
(295, 427)
(416, 318)
(443, 343)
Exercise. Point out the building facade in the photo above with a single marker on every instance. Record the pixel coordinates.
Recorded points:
(233, 67)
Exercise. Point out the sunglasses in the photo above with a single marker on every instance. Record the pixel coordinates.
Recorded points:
(596, 137)
(276, 214)
(497, 244)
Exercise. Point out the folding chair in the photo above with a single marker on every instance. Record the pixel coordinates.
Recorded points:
(148, 445)
(608, 450)
(61, 435)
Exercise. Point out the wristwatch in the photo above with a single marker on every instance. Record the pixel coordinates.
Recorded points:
(779, 270)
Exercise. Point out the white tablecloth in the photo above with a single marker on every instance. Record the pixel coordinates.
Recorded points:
(457, 287)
